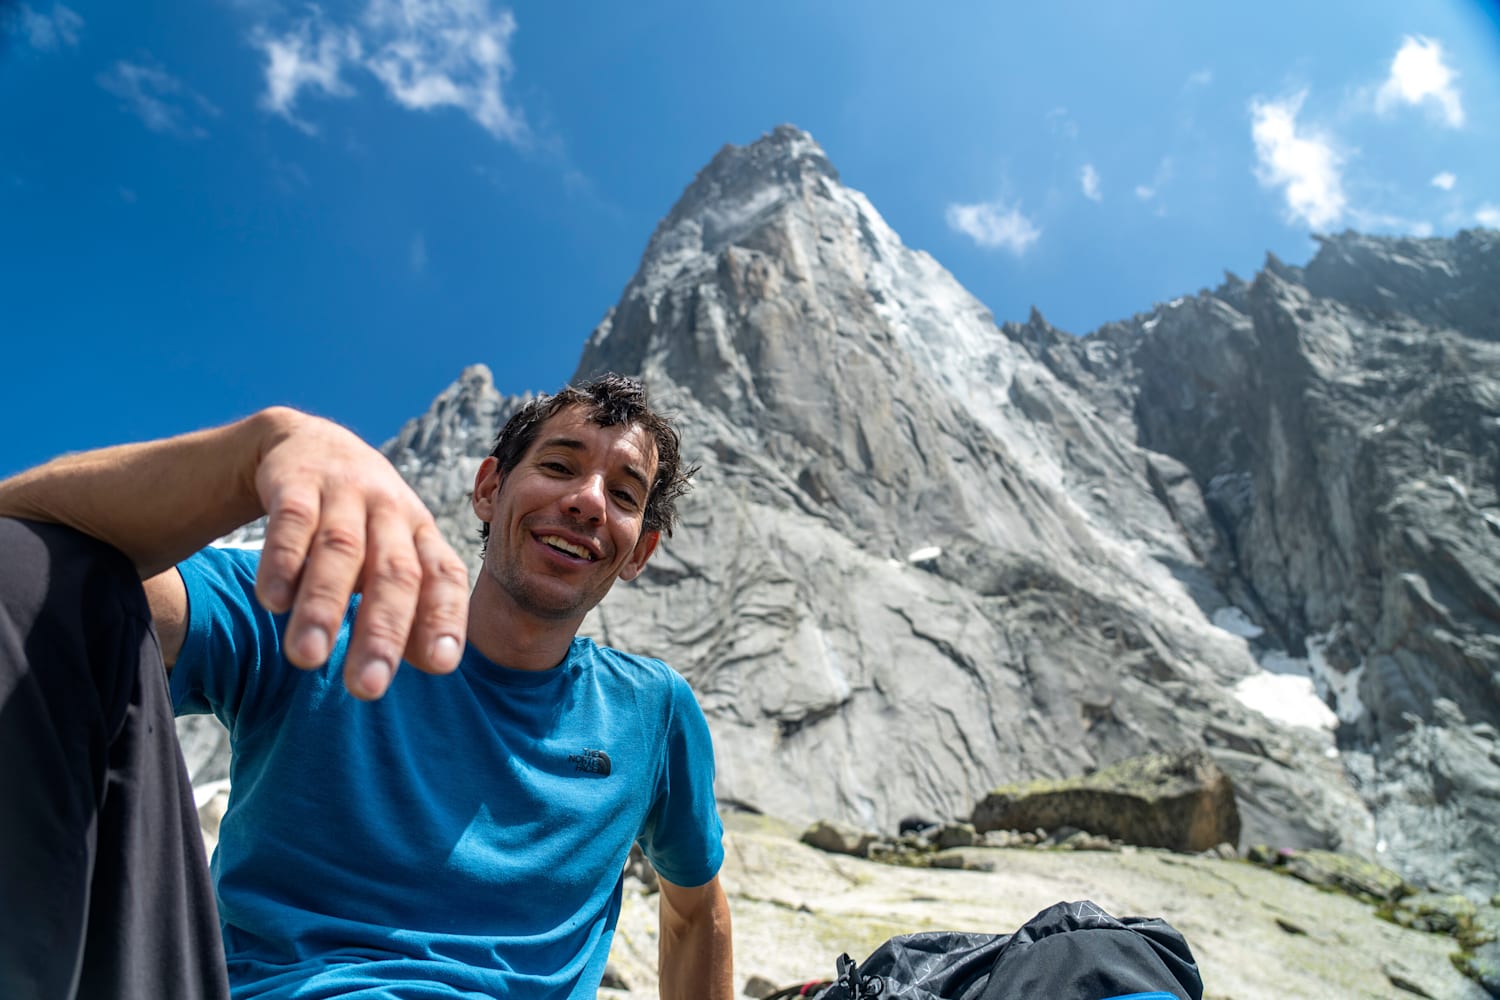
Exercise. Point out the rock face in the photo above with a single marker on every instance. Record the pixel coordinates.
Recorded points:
(928, 556)
(1342, 423)
(919, 563)
(1181, 802)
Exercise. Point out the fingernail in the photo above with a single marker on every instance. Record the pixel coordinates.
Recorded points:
(314, 644)
(446, 651)
(373, 678)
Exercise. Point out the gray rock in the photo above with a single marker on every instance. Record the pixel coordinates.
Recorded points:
(1181, 802)
(956, 835)
(759, 987)
(1436, 913)
(1340, 422)
(963, 860)
(1356, 877)
(838, 838)
(1000, 838)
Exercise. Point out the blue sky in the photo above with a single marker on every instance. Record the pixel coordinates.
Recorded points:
(210, 207)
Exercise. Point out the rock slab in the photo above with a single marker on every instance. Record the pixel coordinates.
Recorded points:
(1182, 802)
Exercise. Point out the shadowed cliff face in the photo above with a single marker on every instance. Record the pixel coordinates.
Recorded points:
(1343, 423)
(927, 556)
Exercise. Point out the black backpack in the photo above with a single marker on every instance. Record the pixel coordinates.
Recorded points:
(1069, 951)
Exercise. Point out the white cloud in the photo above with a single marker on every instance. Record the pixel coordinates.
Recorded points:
(161, 101)
(438, 53)
(312, 55)
(1419, 75)
(1488, 216)
(1144, 193)
(1421, 229)
(427, 54)
(1202, 78)
(1089, 179)
(1304, 163)
(993, 224)
(47, 31)
(1444, 180)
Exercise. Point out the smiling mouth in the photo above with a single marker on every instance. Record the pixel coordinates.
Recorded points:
(566, 547)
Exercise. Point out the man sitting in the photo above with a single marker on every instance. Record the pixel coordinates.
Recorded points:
(390, 833)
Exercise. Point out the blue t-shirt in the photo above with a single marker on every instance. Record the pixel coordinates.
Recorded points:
(462, 836)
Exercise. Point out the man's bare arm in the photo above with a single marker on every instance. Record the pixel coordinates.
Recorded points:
(167, 595)
(340, 520)
(696, 956)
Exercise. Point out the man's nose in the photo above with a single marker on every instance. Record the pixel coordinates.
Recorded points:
(587, 500)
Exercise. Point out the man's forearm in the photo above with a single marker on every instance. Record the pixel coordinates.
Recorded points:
(340, 519)
(696, 959)
(158, 502)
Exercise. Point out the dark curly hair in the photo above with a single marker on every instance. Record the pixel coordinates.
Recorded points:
(607, 400)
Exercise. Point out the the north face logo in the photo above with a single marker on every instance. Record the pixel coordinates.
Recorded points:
(595, 762)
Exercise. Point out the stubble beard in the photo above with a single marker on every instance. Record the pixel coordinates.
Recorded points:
(533, 599)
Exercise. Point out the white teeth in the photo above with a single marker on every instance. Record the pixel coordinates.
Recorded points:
(568, 547)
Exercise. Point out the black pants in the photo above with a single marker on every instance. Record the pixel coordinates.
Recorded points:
(103, 887)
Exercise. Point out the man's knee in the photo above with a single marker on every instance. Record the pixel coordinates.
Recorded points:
(74, 622)
(42, 558)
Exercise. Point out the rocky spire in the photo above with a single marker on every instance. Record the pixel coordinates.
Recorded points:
(918, 561)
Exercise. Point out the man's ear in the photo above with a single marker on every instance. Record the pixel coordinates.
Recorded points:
(486, 483)
(643, 549)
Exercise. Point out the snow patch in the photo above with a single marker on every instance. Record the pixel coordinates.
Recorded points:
(1150, 324)
(926, 554)
(1285, 698)
(1234, 621)
(1297, 691)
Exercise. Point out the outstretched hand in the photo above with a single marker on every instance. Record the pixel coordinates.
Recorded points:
(341, 521)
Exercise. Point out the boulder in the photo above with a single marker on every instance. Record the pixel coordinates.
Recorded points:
(1367, 881)
(957, 835)
(838, 838)
(1355, 876)
(1182, 802)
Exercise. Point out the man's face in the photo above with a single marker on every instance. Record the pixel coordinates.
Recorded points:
(566, 522)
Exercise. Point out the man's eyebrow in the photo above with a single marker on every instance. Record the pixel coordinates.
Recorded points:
(573, 444)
